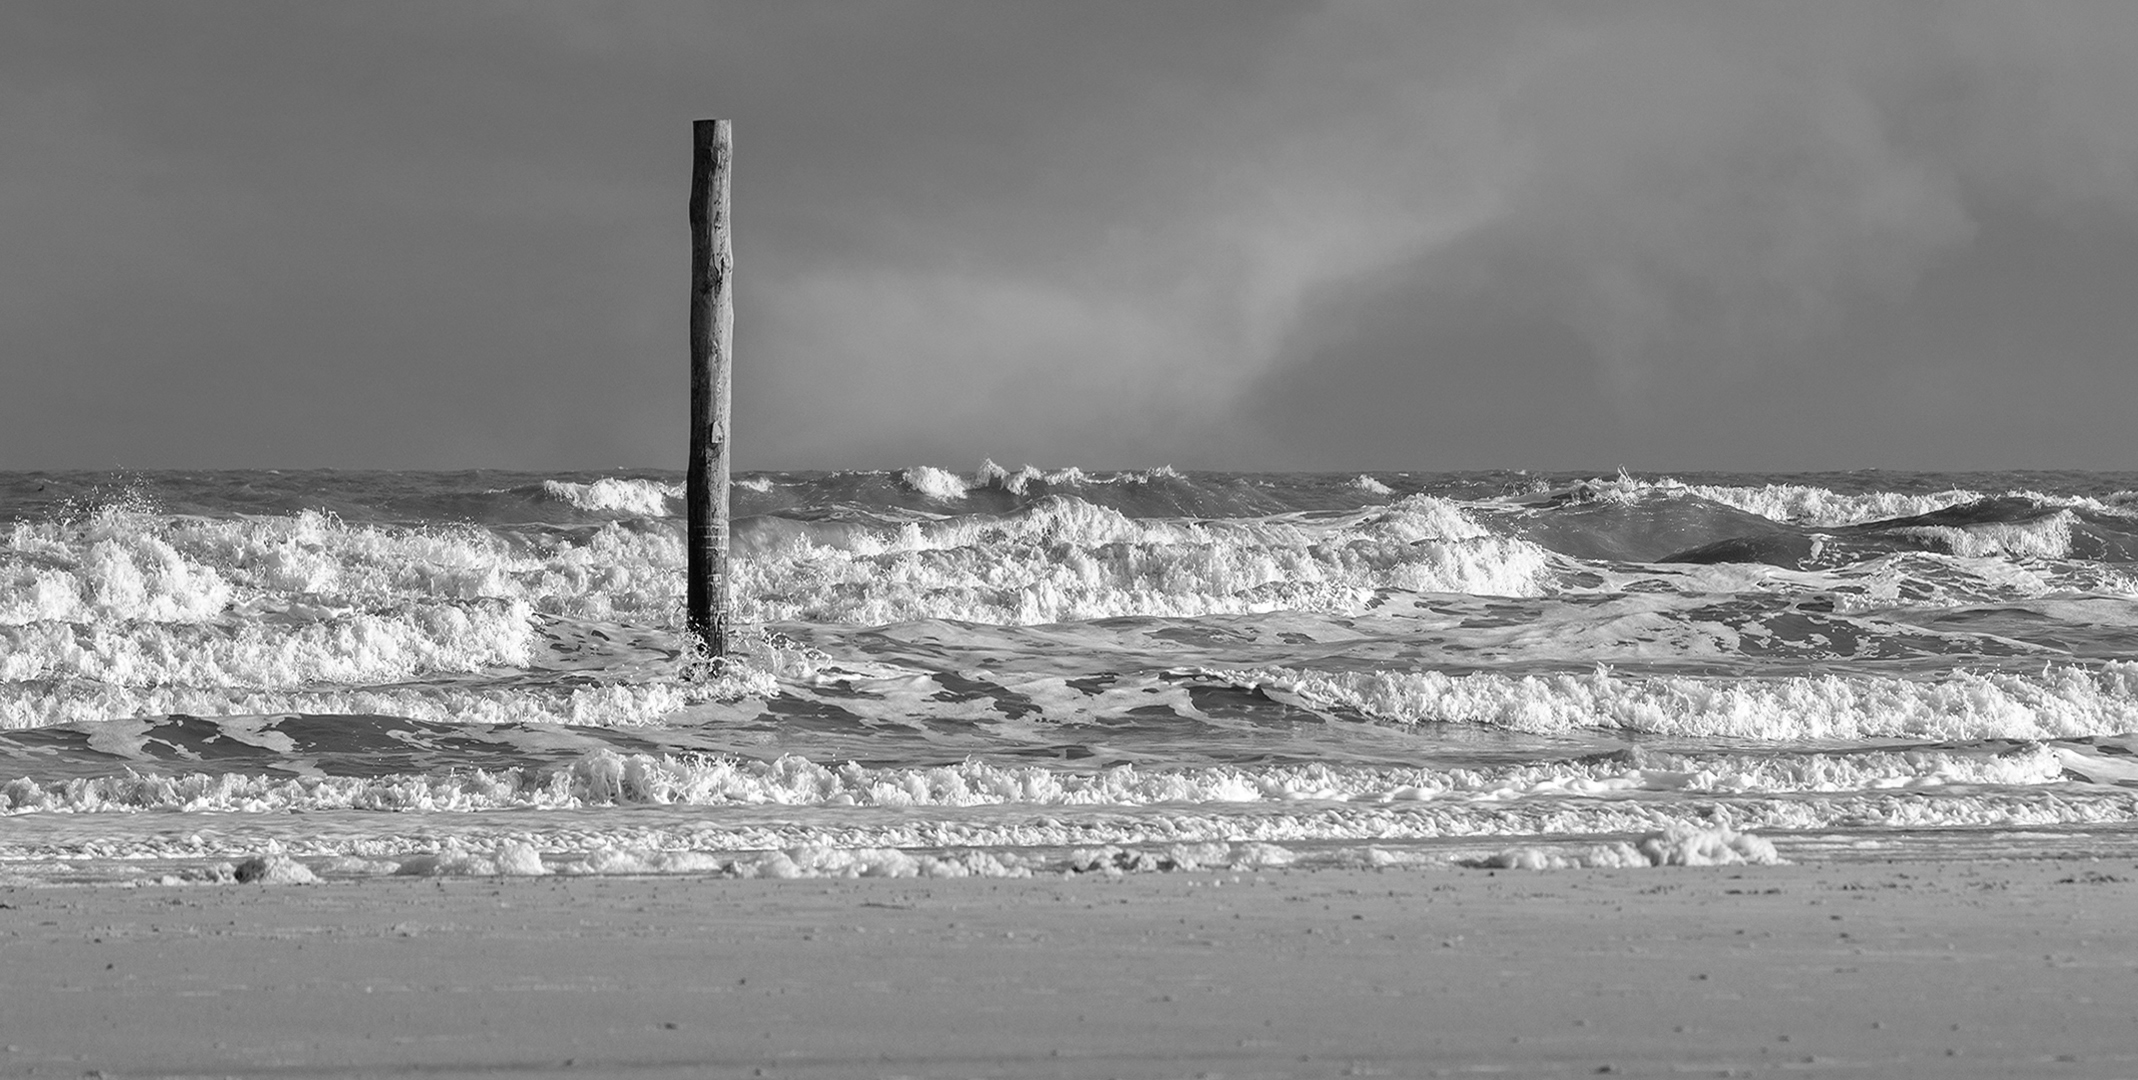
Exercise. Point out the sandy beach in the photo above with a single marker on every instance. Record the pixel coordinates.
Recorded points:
(1902, 969)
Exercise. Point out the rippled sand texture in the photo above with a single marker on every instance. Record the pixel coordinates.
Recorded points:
(1998, 968)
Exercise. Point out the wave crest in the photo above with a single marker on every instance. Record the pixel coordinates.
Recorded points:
(618, 495)
(2066, 702)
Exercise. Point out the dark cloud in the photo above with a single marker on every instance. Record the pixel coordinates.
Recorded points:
(1736, 237)
(1216, 234)
(2018, 353)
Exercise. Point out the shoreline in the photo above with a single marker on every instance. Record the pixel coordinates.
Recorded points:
(1824, 968)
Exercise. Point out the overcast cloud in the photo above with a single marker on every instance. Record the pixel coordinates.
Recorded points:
(1217, 235)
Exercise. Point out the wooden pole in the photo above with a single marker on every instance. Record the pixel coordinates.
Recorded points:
(712, 348)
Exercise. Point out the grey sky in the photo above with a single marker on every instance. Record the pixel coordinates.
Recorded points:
(1217, 235)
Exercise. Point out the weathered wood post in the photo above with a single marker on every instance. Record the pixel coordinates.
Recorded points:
(712, 347)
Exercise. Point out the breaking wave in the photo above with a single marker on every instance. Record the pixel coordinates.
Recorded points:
(2057, 702)
(1053, 670)
(619, 496)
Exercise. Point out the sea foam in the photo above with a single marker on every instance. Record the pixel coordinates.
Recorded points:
(610, 778)
(1678, 846)
(939, 484)
(1049, 671)
(1817, 506)
(2057, 702)
(621, 496)
(2047, 537)
(1063, 558)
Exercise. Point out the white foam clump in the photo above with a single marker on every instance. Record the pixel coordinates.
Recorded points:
(1679, 845)
(939, 484)
(511, 858)
(616, 495)
(1371, 486)
(520, 859)
(2057, 702)
(114, 566)
(1208, 855)
(818, 861)
(822, 861)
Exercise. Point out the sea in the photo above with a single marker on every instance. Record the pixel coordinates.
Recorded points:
(316, 675)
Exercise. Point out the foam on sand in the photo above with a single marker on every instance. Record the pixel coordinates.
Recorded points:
(609, 778)
(1678, 845)
(1681, 845)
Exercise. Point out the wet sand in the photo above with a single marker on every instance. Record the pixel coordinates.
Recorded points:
(1927, 969)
